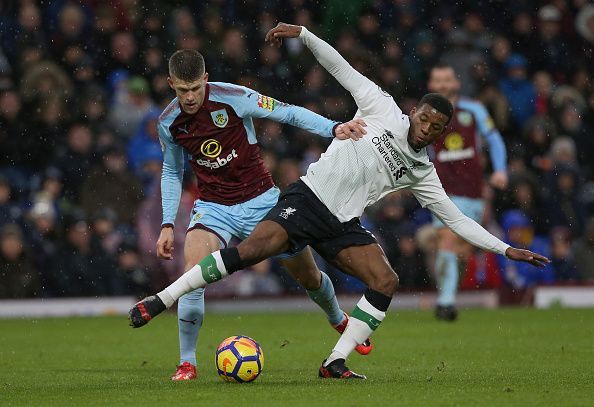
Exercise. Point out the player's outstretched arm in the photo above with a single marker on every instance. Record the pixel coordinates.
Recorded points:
(476, 235)
(250, 103)
(364, 91)
(171, 187)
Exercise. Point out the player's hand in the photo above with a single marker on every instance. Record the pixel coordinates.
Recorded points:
(526, 256)
(499, 180)
(353, 129)
(165, 244)
(282, 30)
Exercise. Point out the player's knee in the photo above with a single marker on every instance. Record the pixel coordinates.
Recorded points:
(385, 283)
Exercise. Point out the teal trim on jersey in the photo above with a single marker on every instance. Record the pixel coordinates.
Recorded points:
(173, 164)
(248, 124)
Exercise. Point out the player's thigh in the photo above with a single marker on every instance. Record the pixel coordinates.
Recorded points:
(253, 211)
(267, 239)
(199, 244)
(303, 268)
(369, 264)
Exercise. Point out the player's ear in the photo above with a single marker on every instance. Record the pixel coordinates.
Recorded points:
(205, 77)
(170, 82)
(413, 111)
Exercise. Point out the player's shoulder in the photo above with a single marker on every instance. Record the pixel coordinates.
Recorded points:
(169, 114)
(472, 105)
(224, 91)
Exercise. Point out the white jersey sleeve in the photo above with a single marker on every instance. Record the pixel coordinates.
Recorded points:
(428, 189)
(466, 228)
(369, 97)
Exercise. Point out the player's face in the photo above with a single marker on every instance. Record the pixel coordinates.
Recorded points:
(426, 125)
(189, 94)
(444, 82)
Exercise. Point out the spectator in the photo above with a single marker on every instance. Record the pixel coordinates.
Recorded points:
(9, 211)
(563, 206)
(543, 85)
(561, 255)
(407, 258)
(43, 238)
(463, 58)
(145, 143)
(572, 124)
(518, 90)
(10, 125)
(131, 277)
(583, 252)
(73, 270)
(131, 105)
(111, 186)
(75, 159)
(18, 278)
(520, 233)
(551, 51)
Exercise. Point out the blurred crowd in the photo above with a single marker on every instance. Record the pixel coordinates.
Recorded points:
(82, 85)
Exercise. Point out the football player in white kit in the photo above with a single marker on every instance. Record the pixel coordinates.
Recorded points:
(322, 209)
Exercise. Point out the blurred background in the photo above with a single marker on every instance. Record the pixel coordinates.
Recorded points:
(82, 85)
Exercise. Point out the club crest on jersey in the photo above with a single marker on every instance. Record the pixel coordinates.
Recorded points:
(464, 118)
(266, 102)
(220, 118)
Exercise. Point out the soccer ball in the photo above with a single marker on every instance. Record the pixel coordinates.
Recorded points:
(239, 359)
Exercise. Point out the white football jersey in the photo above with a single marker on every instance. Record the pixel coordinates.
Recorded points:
(352, 175)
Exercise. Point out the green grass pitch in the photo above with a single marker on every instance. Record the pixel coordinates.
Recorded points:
(518, 357)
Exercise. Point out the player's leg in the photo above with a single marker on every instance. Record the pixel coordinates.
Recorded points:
(447, 265)
(267, 240)
(207, 219)
(447, 274)
(317, 284)
(302, 265)
(199, 243)
(369, 264)
(320, 289)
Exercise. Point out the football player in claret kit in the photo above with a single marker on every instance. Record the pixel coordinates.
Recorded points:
(457, 157)
(211, 122)
(323, 208)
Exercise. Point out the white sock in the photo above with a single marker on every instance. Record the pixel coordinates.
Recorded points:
(364, 320)
(209, 270)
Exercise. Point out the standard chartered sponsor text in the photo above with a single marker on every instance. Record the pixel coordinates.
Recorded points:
(389, 154)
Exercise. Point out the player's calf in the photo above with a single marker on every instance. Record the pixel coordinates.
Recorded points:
(367, 316)
(364, 348)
